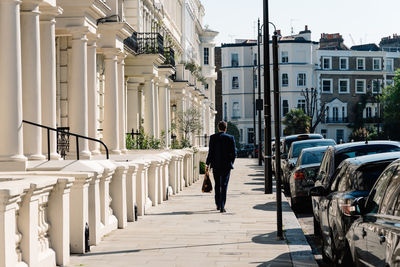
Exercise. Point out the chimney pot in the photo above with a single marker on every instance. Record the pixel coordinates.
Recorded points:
(306, 27)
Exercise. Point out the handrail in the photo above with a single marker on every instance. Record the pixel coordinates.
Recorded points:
(67, 133)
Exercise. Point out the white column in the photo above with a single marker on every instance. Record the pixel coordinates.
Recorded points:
(156, 110)
(31, 77)
(110, 124)
(133, 106)
(11, 87)
(149, 109)
(77, 91)
(164, 112)
(121, 102)
(48, 77)
(92, 95)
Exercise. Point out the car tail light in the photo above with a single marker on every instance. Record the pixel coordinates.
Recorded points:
(346, 206)
(299, 176)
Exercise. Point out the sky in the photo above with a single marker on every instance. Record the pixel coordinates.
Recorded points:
(359, 21)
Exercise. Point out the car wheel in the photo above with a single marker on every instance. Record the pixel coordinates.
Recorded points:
(317, 228)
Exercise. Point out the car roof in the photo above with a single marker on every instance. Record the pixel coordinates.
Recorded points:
(314, 149)
(295, 136)
(367, 159)
(313, 141)
(352, 145)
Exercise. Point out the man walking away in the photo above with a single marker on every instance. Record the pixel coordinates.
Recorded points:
(221, 156)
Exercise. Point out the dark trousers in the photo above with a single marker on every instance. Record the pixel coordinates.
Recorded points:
(221, 179)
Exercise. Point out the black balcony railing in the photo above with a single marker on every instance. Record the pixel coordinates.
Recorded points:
(132, 43)
(169, 55)
(150, 43)
(373, 120)
(336, 120)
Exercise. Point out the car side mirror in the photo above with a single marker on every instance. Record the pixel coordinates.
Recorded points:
(284, 156)
(318, 191)
(358, 206)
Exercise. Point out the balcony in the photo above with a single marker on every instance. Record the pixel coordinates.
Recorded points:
(169, 55)
(373, 120)
(336, 120)
(150, 43)
(131, 43)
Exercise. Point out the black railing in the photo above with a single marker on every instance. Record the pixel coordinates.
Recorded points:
(132, 43)
(150, 43)
(169, 55)
(67, 133)
(373, 120)
(336, 120)
(132, 141)
(63, 141)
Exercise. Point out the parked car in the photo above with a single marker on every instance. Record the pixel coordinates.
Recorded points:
(353, 178)
(333, 156)
(374, 238)
(304, 174)
(246, 151)
(290, 160)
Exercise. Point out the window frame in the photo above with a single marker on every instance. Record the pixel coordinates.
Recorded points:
(364, 86)
(304, 80)
(206, 56)
(348, 86)
(329, 67)
(235, 111)
(232, 84)
(285, 57)
(331, 86)
(301, 106)
(373, 63)
(347, 63)
(392, 64)
(232, 55)
(287, 80)
(357, 63)
(283, 107)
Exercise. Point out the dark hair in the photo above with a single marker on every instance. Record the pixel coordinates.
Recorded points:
(222, 125)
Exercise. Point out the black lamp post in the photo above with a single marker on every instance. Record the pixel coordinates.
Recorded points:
(259, 103)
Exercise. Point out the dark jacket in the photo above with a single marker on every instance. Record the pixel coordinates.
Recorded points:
(222, 151)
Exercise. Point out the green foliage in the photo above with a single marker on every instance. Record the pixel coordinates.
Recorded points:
(202, 167)
(234, 131)
(144, 141)
(390, 100)
(196, 71)
(296, 122)
(360, 134)
(188, 123)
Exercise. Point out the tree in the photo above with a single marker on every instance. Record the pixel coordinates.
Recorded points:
(234, 131)
(316, 115)
(189, 122)
(390, 100)
(296, 122)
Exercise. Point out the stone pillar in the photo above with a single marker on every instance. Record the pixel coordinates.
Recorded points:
(92, 95)
(77, 91)
(11, 155)
(117, 189)
(48, 76)
(156, 110)
(31, 77)
(164, 112)
(131, 192)
(149, 109)
(111, 122)
(121, 102)
(133, 106)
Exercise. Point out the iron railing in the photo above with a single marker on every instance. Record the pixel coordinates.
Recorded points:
(336, 120)
(169, 55)
(66, 133)
(132, 43)
(150, 43)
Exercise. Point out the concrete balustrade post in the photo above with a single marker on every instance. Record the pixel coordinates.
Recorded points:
(118, 195)
(121, 102)
(111, 118)
(94, 209)
(172, 172)
(78, 91)
(11, 151)
(160, 189)
(141, 188)
(131, 201)
(165, 178)
(153, 181)
(48, 76)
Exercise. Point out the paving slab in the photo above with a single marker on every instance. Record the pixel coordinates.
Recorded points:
(187, 230)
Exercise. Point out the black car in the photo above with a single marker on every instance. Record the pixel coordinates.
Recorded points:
(374, 238)
(304, 174)
(246, 151)
(353, 178)
(295, 148)
(334, 156)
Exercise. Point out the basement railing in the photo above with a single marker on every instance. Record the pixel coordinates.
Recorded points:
(66, 133)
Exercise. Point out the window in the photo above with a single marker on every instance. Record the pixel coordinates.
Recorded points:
(235, 110)
(360, 86)
(326, 63)
(301, 104)
(301, 79)
(235, 82)
(324, 133)
(376, 86)
(335, 114)
(225, 112)
(327, 85)
(285, 57)
(339, 136)
(389, 64)
(344, 113)
(377, 193)
(343, 86)
(285, 107)
(361, 63)
(368, 112)
(344, 63)
(241, 135)
(206, 86)
(327, 113)
(376, 62)
(255, 77)
(250, 135)
(234, 60)
(206, 55)
(389, 82)
(255, 60)
(285, 80)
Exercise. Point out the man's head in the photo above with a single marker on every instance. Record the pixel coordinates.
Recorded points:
(222, 126)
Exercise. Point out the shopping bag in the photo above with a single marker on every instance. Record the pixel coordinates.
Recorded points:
(207, 185)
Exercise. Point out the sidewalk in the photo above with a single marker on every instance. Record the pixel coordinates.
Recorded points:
(187, 230)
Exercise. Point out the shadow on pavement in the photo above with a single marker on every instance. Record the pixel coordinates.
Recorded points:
(255, 183)
(271, 206)
(283, 260)
(267, 239)
(257, 175)
(185, 212)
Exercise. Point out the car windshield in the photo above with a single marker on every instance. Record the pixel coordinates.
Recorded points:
(367, 176)
(362, 151)
(296, 148)
(312, 157)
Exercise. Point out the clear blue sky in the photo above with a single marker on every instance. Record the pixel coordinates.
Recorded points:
(366, 20)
